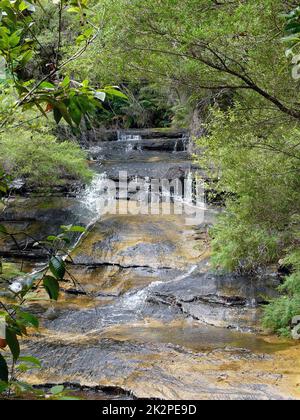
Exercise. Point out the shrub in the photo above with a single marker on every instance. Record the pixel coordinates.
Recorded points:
(257, 165)
(40, 159)
(280, 312)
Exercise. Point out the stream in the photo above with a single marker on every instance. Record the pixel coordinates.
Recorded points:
(151, 318)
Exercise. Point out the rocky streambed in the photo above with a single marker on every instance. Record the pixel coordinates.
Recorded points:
(151, 319)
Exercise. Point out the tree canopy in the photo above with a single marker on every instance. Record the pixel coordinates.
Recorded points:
(228, 70)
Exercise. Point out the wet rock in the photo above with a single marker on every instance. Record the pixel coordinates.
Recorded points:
(153, 170)
(114, 280)
(163, 247)
(228, 301)
(109, 150)
(130, 308)
(131, 323)
(157, 133)
(33, 219)
(51, 314)
(228, 290)
(93, 136)
(164, 145)
(140, 241)
(150, 370)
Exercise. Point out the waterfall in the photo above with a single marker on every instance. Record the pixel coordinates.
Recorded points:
(186, 142)
(175, 147)
(138, 300)
(97, 197)
(181, 145)
(128, 137)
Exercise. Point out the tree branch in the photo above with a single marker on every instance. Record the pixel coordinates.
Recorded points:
(60, 11)
(295, 113)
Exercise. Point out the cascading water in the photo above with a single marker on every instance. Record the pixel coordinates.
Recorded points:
(138, 300)
(147, 282)
(131, 141)
(182, 145)
(95, 153)
(186, 142)
(175, 147)
(97, 197)
(123, 136)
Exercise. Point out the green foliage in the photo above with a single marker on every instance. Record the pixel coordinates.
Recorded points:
(190, 46)
(280, 312)
(54, 91)
(4, 180)
(38, 158)
(58, 392)
(3, 370)
(292, 27)
(12, 341)
(52, 287)
(57, 267)
(240, 246)
(146, 107)
(143, 106)
(8, 270)
(258, 166)
(18, 321)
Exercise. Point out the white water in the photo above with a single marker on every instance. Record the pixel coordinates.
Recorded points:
(185, 141)
(98, 197)
(128, 137)
(138, 300)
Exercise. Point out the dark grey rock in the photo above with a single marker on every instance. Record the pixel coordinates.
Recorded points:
(229, 301)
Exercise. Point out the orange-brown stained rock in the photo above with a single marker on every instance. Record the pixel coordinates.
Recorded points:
(142, 240)
(164, 371)
(3, 343)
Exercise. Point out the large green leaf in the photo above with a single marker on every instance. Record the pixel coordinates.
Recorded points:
(64, 112)
(57, 115)
(3, 386)
(66, 82)
(3, 370)
(75, 112)
(27, 56)
(72, 228)
(47, 85)
(293, 27)
(58, 389)
(111, 90)
(57, 267)
(3, 229)
(32, 360)
(52, 287)
(29, 319)
(13, 343)
(100, 96)
(85, 104)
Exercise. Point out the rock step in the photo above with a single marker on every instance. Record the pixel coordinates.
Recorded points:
(226, 301)
(114, 135)
(131, 146)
